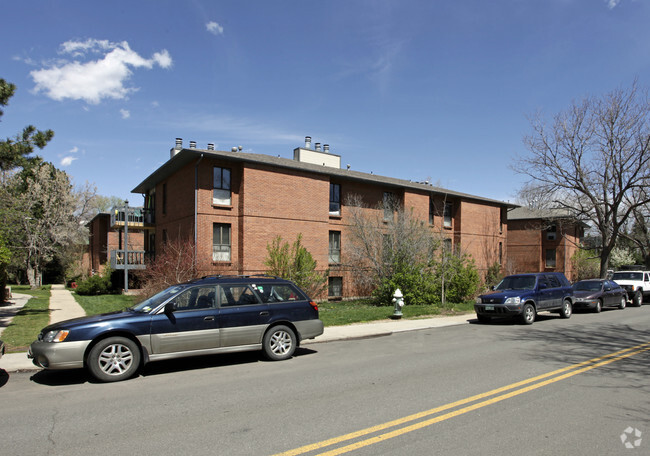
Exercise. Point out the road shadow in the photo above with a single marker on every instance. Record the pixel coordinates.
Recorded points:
(80, 376)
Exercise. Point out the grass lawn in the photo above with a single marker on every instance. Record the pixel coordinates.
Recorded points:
(94, 305)
(360, 311)
(28, 322)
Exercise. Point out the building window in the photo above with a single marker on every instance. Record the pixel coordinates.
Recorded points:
(551, 233)
(389, 206)
(432, 210)
(335, 247)
(550, 258)
(500, 253)
(221, 187)
(164, 198)
(447, 245)
(221, 242)
(335, 199)
(335, 287)
(449, 208)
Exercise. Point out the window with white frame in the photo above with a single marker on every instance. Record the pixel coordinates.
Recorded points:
(221, 242)
(335, 247)
(221, 187)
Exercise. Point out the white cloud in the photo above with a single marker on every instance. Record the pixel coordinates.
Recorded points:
(125, 113)
(611, 4)
(67, 161)
(214, 28)
(94, 80)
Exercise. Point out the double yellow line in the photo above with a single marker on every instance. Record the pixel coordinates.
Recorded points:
(499, 394)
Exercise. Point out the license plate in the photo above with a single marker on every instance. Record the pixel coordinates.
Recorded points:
(489, 307)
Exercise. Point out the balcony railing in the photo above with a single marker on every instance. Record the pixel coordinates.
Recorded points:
(136, 259)
(138, 217)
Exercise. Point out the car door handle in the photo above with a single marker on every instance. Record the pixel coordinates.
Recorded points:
(209, 318)
(264, 314)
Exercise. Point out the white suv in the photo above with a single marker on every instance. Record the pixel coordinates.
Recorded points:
(636, 283)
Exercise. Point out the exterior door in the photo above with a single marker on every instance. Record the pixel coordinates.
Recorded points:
(194, 324)
(243, 317)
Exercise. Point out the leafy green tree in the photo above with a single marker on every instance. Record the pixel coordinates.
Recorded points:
(14, 151)
(294, 262)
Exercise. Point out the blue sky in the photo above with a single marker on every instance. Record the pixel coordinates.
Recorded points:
(437, 90)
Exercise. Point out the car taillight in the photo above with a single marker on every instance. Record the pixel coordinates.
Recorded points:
(314, 305)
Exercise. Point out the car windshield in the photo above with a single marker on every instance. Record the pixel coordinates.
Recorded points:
(589, 285)
(149, 304)
(627, 276)
(517, 283)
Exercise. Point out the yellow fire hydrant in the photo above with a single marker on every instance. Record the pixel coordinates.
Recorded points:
(398, 300)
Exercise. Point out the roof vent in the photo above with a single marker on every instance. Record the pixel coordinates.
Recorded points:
(192, 144)
(307, 142)
(318, 147)
(326, 148)
(233, 149)
(210, 146)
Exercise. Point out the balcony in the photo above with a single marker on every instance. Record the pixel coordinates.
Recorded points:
(139, 218)
(136, 258)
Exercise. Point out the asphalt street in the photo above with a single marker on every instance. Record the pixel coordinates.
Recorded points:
(557, 387)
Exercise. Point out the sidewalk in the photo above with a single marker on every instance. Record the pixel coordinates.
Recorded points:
(63, 307)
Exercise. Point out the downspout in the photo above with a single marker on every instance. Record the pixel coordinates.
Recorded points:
(196, 203)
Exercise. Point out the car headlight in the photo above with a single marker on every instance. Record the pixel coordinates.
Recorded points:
(55, 336)
(478, 300)
(513, 300)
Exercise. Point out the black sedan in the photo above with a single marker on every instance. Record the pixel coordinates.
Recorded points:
(595, 294)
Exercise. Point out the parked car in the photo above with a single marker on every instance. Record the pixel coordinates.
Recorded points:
(524, 295)
(595, 294)
(205, 316)
(636, 283)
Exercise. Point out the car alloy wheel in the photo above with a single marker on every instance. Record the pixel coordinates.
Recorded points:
(599, 306)
(114, 359)
(279, 343)
(623, 303)
(567, 309)
(528, 314)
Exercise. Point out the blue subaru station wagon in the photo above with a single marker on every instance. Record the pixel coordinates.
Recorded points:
(206, 316)
(524, 295)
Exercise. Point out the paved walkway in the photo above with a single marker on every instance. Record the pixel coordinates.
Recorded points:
(63, 307)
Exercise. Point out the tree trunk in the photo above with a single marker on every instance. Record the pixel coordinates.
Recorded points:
(31, 276)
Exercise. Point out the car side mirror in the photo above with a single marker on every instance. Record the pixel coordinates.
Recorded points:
(170, 307)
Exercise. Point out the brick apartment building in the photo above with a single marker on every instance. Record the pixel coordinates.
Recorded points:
(233, 204)
(106, 243)
(542, 241)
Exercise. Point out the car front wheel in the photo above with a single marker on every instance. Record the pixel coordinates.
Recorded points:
(279, 343)
(114, 359)
(567, 309)
(528, 314)
(623, 303)
(599, 306)
(637, 300)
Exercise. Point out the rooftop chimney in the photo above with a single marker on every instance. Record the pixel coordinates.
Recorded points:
(177, 147)
(307, 142)
(192, 144)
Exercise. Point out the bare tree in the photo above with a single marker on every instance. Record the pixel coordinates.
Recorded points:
(593, 160)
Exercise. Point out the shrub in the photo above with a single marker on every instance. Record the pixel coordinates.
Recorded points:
(295, 263)
(97, 284)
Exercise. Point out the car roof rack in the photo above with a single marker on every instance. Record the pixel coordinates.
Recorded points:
(240, 276)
